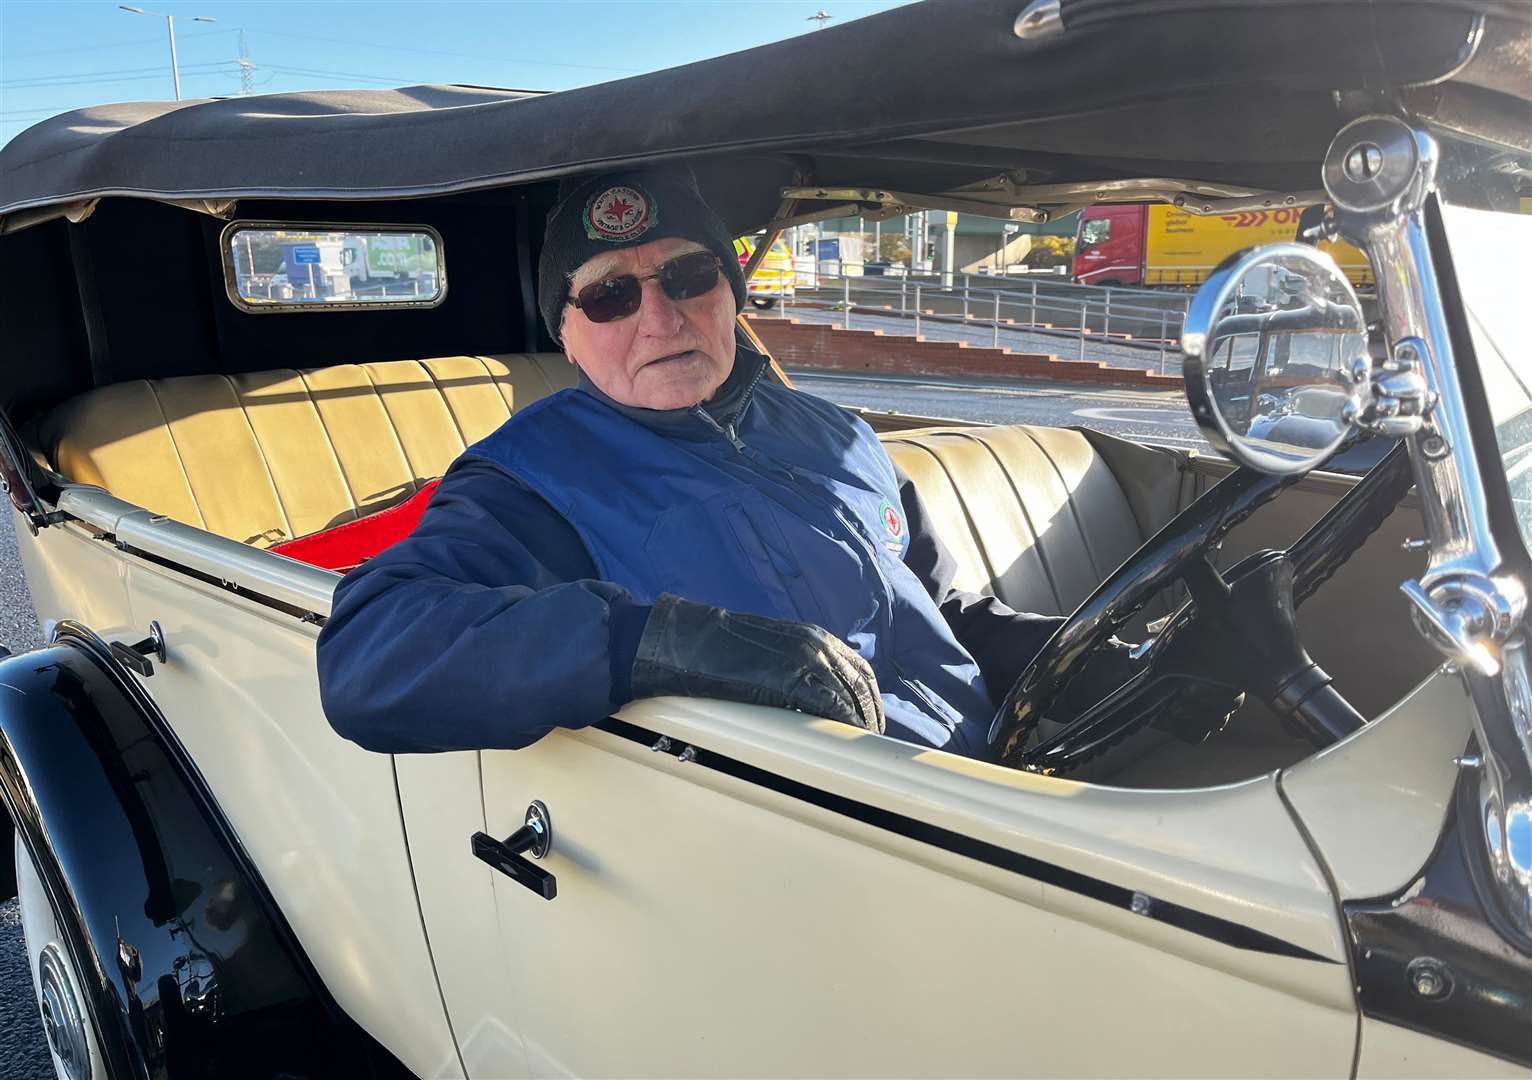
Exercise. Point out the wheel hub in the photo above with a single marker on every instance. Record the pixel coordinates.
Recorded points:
(63, 1022)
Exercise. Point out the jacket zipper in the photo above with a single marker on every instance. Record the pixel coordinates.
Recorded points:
(730, 430)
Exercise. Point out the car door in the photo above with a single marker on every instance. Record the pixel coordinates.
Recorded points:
(747, 891)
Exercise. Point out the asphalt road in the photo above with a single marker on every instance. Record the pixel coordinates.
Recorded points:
(1145, 416)
(23, 1053)
(1150, 416)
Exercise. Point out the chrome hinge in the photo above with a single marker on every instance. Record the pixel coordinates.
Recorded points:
(1464, 615)
(1392, 400)
(1039, 20)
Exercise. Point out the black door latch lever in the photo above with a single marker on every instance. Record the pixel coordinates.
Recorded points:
(139, 655)
(534, 838)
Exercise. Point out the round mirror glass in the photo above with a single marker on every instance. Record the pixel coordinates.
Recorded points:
(1271, 342)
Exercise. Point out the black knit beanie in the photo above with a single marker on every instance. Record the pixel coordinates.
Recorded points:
(616, 210)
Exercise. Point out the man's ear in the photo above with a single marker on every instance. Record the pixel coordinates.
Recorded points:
(558, 337)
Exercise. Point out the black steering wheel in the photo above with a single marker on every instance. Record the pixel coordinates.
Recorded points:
(1237, 632)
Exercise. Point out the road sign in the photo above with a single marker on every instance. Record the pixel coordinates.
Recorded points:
(306, 255)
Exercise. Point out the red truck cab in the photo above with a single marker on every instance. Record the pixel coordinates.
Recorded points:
(1109, 247)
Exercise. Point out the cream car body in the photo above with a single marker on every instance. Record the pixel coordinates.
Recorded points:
(728, 890)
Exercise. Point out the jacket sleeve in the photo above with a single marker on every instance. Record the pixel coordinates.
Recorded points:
(483, 629)
(1001, 641)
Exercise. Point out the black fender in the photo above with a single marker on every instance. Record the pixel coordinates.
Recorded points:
(191, 968)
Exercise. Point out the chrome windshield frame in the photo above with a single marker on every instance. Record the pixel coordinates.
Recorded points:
(1381, 176)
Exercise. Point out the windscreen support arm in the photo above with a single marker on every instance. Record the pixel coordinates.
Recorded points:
(1003, 196)
(1471, 602)
(773, 230)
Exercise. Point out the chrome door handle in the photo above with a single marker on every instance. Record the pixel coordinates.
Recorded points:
(534, 838)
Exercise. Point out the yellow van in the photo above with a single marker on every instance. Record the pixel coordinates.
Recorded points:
(774, 278)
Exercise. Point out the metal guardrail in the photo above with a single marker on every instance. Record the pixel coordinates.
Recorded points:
(1132, 318)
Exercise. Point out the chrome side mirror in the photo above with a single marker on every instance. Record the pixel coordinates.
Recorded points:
(1277, 370)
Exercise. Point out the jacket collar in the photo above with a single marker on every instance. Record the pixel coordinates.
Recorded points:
(732, 399)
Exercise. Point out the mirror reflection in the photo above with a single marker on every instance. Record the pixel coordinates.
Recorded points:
(307, 268)
(1280, 347)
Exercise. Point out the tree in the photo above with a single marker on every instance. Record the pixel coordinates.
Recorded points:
(1050, 251)
(894, 247)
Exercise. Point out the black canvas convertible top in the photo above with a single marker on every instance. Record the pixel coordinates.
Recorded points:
(929, 97)
(111, 261)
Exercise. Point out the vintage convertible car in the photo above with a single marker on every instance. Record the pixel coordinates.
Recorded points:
(245, 335)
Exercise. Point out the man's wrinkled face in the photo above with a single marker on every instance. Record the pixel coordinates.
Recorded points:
(670, 354)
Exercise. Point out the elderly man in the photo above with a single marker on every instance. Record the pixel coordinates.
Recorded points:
(678, 524)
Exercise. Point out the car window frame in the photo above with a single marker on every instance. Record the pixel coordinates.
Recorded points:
(240, 303)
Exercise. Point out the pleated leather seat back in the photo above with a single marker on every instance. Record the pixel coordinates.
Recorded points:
(1035, 515)
(1038, 516)
(267, 456)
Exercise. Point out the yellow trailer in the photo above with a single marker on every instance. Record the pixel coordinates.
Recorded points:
(1182, 248)
(1137, 244)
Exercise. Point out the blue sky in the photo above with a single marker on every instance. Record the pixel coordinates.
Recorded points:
(64, 54)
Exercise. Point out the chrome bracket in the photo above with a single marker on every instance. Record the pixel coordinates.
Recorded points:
(1380, 174)
(869, 210)
(879, 197)
(1392, 400)
(1466, 615)
(1505, 798)
(1008, 195)
(1193, 196)
(1379, 165)
(1039, 20)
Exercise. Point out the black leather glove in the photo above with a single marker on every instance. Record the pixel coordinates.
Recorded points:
(694, 650)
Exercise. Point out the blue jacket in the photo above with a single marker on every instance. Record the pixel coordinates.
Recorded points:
(517, 604)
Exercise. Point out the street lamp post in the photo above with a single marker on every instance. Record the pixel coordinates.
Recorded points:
(1007, 231)
(170, 29)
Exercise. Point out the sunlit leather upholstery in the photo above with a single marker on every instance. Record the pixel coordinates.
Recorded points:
(1038, 515)
(1035, 515)
(267, 456)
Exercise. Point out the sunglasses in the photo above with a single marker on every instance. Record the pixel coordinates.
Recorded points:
(682, 278)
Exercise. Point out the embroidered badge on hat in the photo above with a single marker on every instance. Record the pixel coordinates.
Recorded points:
(894, 524)
(619, 213)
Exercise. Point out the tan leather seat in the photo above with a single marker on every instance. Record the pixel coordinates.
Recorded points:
(1038, 516)
(268, 456)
